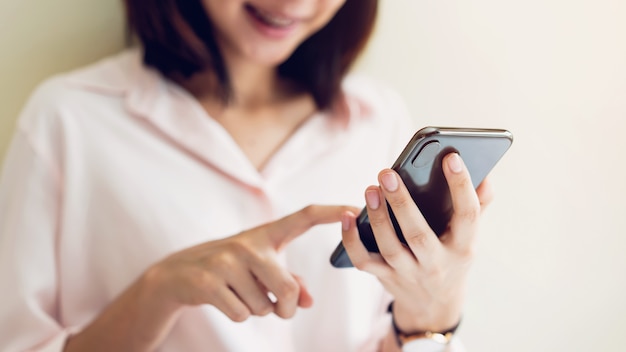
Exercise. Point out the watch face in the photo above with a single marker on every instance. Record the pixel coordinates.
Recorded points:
(424, 345)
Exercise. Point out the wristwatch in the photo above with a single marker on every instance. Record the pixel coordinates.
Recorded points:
(427, 341)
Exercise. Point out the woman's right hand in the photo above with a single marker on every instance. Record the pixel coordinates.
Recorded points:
(234, 274)
(238, 274)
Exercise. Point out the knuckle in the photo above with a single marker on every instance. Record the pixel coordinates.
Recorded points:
(377, 220)
(261, 260)
(363, 265)
(290, 314)
(434, 271)
(471, 214)
(463, 181)
(400, 202)
(240, 252)
(285, 314)
(242, 247)
(239, 315)
(416, 238)
(263, 309)
(224, 263)
(207, 281)
(391, 256)
(210, 286)
(467, 254)
(386, 279)
(288, 290)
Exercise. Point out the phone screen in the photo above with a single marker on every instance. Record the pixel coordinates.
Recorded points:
(420, 167)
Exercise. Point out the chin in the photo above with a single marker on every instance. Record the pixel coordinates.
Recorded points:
(270, 58)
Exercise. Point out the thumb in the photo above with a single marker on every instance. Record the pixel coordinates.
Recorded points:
(284, 230)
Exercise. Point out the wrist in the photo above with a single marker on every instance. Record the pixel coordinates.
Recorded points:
(154, 314)
(432, 319)
(440, 336)
(137, 320)
(153, 289)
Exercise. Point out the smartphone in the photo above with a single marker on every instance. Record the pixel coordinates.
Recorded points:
(420, 167)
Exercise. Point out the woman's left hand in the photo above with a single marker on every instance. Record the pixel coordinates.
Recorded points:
(427, 278)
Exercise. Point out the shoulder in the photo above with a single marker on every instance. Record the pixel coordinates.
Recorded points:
(83, 88)
(110, 76)
(380, 110)
(377, 96)
(372, 100)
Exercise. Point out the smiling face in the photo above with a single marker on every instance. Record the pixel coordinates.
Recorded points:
(266, 32)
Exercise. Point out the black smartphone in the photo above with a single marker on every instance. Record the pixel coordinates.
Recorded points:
(420, 167)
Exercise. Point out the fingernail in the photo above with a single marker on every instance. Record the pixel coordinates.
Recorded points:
(372, 199)
(390, 181)
(345, 222)
(455, 163)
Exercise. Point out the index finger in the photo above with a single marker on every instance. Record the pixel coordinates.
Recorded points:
(285, 230)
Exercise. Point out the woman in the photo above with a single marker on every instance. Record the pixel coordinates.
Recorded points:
(160, 199)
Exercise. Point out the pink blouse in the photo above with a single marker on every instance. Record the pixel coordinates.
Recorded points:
(112, 168)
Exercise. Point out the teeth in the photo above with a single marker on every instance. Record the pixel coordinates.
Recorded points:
(273, 20)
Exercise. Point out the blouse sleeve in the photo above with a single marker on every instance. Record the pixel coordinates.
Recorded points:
(30, 186)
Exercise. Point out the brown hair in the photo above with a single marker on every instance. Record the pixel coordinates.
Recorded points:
(178, 40)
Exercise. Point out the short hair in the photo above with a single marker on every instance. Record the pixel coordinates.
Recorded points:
(177, 38)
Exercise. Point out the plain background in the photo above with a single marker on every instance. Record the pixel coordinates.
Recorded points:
(550, 269)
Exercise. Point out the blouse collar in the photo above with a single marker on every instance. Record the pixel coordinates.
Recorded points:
(175, 113)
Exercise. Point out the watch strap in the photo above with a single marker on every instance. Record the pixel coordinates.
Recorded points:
(402, 338)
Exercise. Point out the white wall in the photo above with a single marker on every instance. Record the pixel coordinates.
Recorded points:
(549, 272)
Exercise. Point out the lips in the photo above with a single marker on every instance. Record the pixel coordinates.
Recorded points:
(270, 19)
